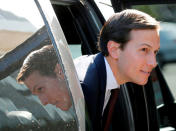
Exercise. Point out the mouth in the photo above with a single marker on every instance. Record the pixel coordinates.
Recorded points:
(146, 72)
(55, 103)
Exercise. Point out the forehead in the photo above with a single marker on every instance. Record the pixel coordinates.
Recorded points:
(33, 79)
(145, 36)
(147, 33)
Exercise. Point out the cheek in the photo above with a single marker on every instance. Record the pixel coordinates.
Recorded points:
(50, 92)
(59, 93)
(127, 59)
(65, 96)
(47, 94)
(131, 63)
(136, 64)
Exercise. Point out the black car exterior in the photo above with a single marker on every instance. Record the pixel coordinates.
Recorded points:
(68, 24)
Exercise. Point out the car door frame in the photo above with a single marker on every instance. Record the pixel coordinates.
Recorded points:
(61, 47)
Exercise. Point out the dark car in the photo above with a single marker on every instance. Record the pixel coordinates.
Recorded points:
(72, 27)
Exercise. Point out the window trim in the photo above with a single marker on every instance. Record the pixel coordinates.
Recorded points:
(62, 50)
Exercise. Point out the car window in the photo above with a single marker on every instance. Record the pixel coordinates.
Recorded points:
(29, 104)
(80, 25)
(164, 100)
(67, 22)
(17, 24)
(60, 45)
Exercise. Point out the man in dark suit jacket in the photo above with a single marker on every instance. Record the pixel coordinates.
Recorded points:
(128, 42)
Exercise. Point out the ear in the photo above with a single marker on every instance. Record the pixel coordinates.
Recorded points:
(113, 49)
(58, 69)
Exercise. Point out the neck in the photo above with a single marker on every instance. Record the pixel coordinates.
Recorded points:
(113, 65)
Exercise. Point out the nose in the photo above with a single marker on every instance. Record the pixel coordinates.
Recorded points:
(152, 61)
(43, 99)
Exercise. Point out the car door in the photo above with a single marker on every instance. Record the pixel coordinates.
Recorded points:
(24, 31)
(154, 104)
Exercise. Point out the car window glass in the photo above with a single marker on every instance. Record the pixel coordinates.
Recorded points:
(47, 104)
(157, 89)
(17, 23)
(165, 105)
(166, 57)
(66, 19)
(75, 21)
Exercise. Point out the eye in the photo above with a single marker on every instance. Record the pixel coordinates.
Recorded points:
(144, 50)
(156, 52)
(39, 89)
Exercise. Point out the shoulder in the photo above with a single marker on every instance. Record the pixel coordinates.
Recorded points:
(91, 70)
(85, 64)
(87, 60)
(84, 60)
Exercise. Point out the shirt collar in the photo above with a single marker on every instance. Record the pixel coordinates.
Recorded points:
(111, 82)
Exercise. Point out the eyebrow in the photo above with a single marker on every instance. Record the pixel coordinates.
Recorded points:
(149, 46)
(34, 88)
(146, 45)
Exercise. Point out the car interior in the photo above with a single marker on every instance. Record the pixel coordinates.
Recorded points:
(74, 22)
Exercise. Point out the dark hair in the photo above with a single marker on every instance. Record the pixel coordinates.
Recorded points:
(118, 27)
(43, 60)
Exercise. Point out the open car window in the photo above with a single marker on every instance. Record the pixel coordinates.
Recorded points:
(30, 104)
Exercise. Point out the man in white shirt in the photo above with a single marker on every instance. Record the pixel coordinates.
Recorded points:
(128, 44)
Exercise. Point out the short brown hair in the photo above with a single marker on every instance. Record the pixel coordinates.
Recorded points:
(43, 60)
(118, 27)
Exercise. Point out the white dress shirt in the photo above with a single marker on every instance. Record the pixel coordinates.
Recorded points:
(111, 83)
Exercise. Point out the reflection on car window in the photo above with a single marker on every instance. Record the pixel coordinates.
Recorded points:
(50, 107)
(43, 76)
(31, 104)
(166, 14)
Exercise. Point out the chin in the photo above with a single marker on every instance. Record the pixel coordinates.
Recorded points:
(64, 108)
(142, 83)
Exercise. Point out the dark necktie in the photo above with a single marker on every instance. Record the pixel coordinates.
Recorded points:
(107, 116)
